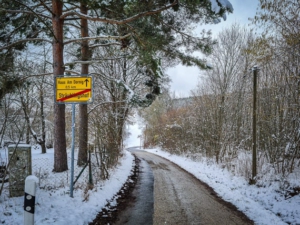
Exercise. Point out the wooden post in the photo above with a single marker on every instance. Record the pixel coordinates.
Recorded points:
(254, 151)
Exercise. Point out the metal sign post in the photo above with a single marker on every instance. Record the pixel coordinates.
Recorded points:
(73, 90)
(72, 150)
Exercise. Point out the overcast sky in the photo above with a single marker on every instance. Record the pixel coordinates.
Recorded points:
(185, 79)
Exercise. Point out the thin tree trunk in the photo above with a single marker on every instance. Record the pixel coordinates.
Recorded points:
(25, 108)
(83, 115)
(254, 112)
(42, 142)
(60, 154)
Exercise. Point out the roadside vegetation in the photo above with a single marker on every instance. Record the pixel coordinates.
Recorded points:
(217, 120)
(125, 45)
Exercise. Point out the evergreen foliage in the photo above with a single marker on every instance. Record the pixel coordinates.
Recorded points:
(151, 31)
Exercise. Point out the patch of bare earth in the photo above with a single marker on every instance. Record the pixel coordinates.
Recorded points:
(109, 214)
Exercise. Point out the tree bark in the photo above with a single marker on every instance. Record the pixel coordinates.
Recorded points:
(60, 154)
(42, 142)
(83, 115)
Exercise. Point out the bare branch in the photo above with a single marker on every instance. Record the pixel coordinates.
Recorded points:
(73, 25)
(72, 71)
(91, 61)
(48, 9)
(97, 38)
(119, 22)
(176, 30)
(40, 16)
(104, 45)
(35, 75)
(24, 12)
(24, 40)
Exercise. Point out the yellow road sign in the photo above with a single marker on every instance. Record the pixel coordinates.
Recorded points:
(73, 89)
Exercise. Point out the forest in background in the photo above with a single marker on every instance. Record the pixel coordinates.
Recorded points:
(128, 54)
(124, 45)
(216, 121)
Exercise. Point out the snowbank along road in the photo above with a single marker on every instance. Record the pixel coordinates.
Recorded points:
(180, 198)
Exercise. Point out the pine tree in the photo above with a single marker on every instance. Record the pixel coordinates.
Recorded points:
(157, 27)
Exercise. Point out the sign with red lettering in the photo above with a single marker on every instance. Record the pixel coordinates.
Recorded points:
(73, 89)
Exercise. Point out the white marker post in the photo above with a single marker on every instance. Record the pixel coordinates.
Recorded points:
(29, 199)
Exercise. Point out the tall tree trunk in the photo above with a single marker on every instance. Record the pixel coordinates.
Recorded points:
(60, 153)
(83, 115)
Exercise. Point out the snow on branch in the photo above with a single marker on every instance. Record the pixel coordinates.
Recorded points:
(119, 22)
(97, 38)
(25, 40)
(217, 5)
(127, 88)
(72, 72)
(104, 45)
(90, 61)
(24, 12)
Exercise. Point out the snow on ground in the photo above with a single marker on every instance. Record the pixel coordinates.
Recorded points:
(264, 205)
(55, 206)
